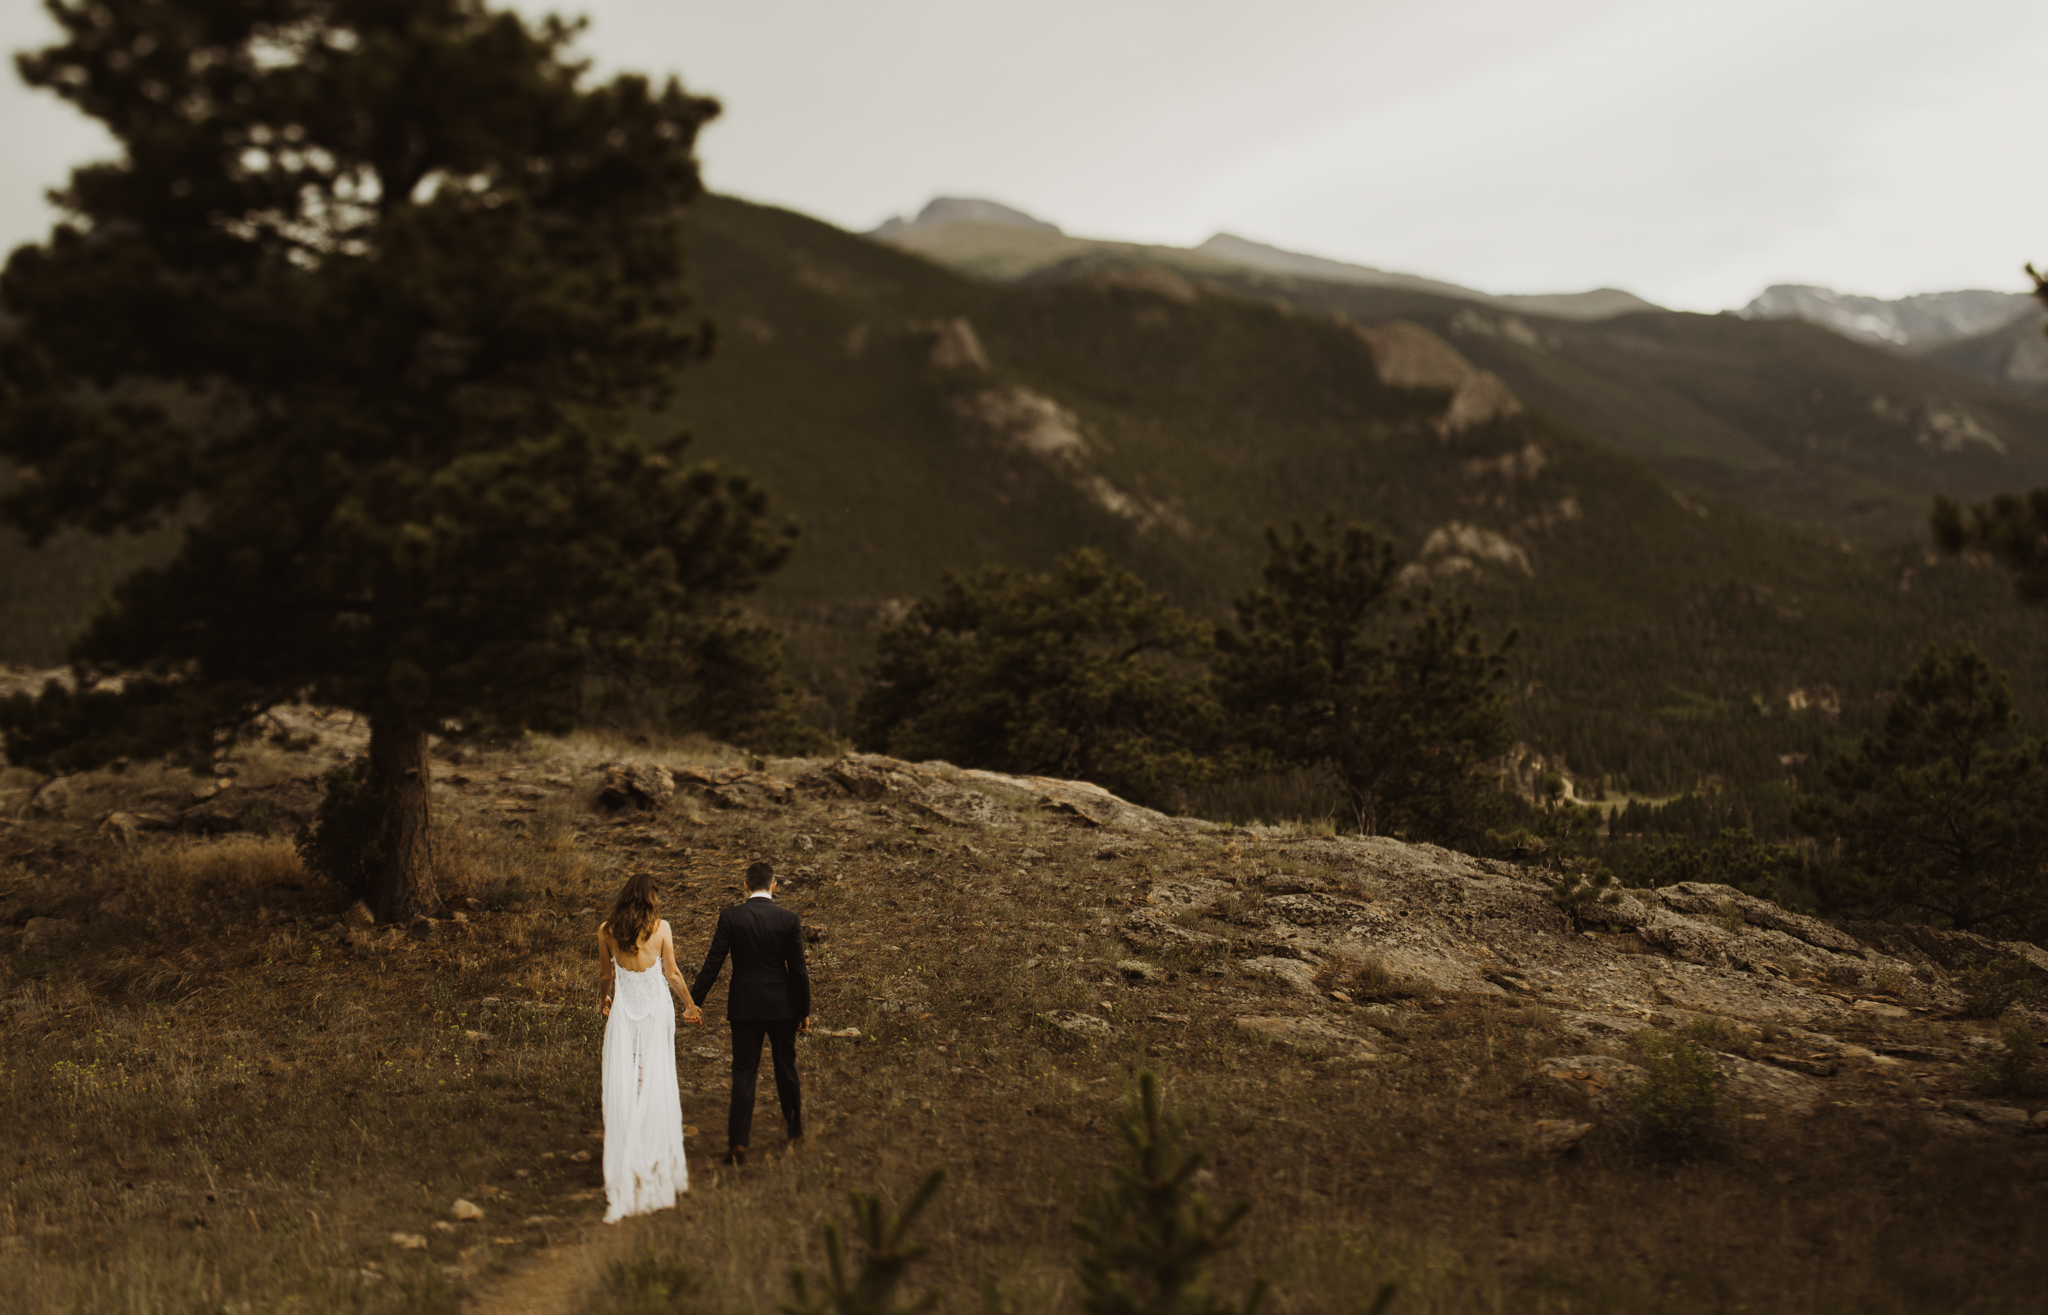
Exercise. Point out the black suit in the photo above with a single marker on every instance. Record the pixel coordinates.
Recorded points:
(771, 992)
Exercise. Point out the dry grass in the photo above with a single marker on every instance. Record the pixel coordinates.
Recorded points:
(211, 1104)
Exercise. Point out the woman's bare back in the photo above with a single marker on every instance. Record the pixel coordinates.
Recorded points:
(641, 957)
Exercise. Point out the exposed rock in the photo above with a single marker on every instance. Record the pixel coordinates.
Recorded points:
(1950, 951)
(122, 828)
(46, 931)
(1084, 1025)
(1410, 356)
(2009, 1117)
(1310, 1034)
(1879, 1009)
(1767, 1084)
(955, 344)
(734, 787)
(1602, 1078)
(1557, 1136)
(409, 1241)
(1292, 972)
(924, 789)
(358, 916)
(636, 783)
(1147, 930)
(466, 1210)
(1139, 971)
(1705, 899)
(1314, 910)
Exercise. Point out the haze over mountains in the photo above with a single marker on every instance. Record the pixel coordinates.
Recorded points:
(994, 240)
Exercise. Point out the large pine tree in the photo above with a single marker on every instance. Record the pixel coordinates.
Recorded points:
(364, 301)
(1315, 674)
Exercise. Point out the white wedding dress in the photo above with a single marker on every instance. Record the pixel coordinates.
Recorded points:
(643, 1108)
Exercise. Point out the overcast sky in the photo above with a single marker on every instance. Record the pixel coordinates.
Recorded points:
(1691, 151)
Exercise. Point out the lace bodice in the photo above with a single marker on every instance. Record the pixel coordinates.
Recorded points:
(639, 993)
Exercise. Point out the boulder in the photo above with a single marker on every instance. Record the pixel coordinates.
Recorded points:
(358, 917)
(637, 783)
(1557, 1136)
(1601, 1078)
(1289, 972)
(1081, 1025)
(734, 787)
(122, 828)
(46, 931)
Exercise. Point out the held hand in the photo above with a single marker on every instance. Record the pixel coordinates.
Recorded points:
(694, 1015)
(804, 1026)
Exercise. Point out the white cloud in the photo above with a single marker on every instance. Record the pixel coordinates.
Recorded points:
(1689, 151)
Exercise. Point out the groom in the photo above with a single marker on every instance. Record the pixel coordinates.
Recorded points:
(770, 998)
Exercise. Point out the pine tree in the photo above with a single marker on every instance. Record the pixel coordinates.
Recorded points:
(365, 300)
(1078, 672)
(1313, 675)
(1147, 1236)
(1942, 815)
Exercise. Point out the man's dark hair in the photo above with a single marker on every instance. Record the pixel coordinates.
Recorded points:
(759, 876)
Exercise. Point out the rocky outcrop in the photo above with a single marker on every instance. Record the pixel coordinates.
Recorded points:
(1410, 356)
(637, 783)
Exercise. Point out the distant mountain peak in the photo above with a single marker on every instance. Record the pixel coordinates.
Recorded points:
(964, 210)
(1916, 321)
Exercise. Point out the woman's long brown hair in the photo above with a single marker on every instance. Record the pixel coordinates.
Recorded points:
(633, 912)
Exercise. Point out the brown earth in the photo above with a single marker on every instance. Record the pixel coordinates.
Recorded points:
(222, 1092)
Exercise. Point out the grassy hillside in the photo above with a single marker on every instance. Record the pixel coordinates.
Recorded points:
(1665, 634)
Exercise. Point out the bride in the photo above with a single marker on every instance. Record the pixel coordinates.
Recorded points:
(643, 1108)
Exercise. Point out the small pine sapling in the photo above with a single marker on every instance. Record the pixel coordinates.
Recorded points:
(888, 1258)
(1147, 1235)
(1576, 890)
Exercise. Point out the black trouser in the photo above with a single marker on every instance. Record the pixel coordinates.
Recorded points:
(746, 1068)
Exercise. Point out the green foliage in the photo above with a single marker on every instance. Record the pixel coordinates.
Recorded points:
(1079, 672)
(887, 1258)
(1148, 1237)
(724, 676)
(2012, 529)
(2017, 1067)
(1943, 814)
(1989, 989)
(1408, 722)
(1681, 1100)
(347, 840)
(650, 1285)
(377, 332)
(1712, 1032)
(1580, 888)
(1732, 858)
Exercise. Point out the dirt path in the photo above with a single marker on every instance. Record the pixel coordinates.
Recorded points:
(546, 1284)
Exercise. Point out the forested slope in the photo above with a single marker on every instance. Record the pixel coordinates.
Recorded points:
(914, 422)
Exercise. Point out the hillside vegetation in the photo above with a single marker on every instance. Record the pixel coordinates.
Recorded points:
(224, 1091)
(915, 421)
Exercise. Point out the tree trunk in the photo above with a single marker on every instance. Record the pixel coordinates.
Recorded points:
(401, 774)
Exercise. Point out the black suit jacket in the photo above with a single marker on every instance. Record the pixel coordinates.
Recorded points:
(769, 980)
